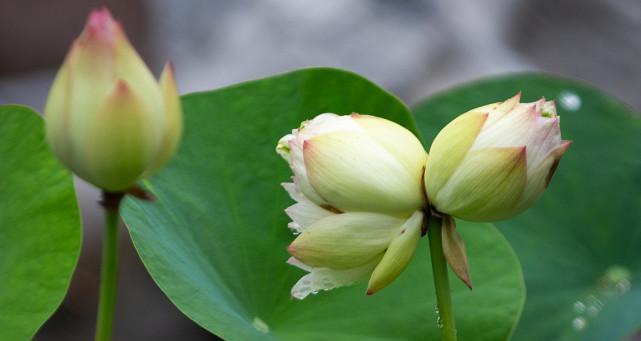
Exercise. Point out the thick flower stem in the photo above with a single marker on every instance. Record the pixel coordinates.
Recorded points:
(441, 281)
(109, 267)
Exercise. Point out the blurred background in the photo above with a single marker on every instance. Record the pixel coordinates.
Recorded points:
(413, 48)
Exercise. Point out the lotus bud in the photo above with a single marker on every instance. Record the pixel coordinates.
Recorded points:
(356, 163)
(107, 118)
(359, 200)
(495, 161)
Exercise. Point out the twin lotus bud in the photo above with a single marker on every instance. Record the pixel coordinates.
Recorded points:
(107, 118)
(359, 184)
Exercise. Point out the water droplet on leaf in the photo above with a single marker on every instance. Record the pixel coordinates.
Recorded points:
(260, 325)
(569, 100)
(579, 323)
(579, 307)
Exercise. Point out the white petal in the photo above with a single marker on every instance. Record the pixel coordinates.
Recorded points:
(295, 262)
(499, 110)
(545, 138)
(294, 192)
(514, 129)
(297, 164)
(293, 152)
(324, 124)
(533, 125)
(322, 279)
(304, 214)
(539, 177)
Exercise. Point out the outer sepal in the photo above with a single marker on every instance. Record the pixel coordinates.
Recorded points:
(454, 250)
(398, 254)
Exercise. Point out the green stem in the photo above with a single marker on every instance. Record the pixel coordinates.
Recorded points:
(109, 267)
(441, 282)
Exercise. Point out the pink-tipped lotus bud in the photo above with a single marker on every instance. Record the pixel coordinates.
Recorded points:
(107, 118)
(495, 161)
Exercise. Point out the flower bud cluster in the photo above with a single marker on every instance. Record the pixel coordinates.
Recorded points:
(363, 185)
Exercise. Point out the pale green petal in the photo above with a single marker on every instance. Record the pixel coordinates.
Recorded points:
(397, 140)
(486, 186)
(344, 241)
(353, 173)
(91, 80)
(172, 130)
(57, 117)
(132, 69)
(398, 254)
(117, 144)
(449, 148)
